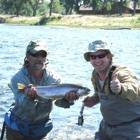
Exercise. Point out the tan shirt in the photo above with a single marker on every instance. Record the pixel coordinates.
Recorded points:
(129, 83)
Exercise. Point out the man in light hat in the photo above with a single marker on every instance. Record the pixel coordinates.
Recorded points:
(29, 119)
(116, 89)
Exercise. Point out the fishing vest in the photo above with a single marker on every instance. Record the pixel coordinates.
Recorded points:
(28, 129)
(117, 110)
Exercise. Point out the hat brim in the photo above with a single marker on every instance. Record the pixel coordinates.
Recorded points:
(36, 49)
(87, 58)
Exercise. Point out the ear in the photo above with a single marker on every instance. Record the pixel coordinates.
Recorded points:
(109, 55)
(27, 55)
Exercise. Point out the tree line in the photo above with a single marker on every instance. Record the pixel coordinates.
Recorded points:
(66, 7)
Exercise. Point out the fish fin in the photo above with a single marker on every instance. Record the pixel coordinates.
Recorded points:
(79, 84)
(54, 101)
(36, 98)
(21, 87)
(54, 84)
(9, 85)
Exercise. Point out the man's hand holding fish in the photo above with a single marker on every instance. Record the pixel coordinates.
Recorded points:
(31, 92)
(72, 95)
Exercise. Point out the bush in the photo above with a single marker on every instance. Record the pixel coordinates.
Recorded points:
(59, 17)
(2, 20)
(138, 18)
(43, 21)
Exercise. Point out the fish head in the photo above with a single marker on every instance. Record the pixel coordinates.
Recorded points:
(87, 91)
(83, 91)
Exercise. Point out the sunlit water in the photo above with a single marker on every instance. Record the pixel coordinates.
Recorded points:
(66, 48)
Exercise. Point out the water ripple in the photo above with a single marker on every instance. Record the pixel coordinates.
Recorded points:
(66, 47)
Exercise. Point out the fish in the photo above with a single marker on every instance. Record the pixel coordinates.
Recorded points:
(57, 91)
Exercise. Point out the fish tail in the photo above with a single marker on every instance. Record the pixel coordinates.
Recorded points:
(9, 85)
(54, 101)
(21, 87)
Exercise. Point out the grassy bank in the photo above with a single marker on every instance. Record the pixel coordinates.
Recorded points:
(77, 21)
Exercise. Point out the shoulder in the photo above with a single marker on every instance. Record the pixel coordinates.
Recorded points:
(21, 76)
(19, 73)
(53, 76)
(51, 72)
(125, 72)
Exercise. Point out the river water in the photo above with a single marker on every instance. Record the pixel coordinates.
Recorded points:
(66, 47)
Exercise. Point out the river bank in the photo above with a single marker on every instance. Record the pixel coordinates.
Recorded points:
(77, 21)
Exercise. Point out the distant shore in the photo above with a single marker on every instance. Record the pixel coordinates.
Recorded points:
(77, 21)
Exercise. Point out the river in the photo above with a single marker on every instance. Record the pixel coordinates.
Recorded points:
(66, 48)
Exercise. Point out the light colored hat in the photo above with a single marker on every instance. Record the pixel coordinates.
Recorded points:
(36, 45)
(94, 47)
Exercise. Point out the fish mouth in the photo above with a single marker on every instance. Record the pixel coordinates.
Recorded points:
(88, 90)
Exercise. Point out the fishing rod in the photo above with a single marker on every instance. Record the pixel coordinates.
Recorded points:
(81, 118)
(3, 130)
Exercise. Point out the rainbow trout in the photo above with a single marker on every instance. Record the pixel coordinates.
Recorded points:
(57, 91)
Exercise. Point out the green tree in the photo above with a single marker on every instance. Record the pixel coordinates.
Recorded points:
(134, 6)
(96, 5)
(43, 9)
(18, 4)
(120, 7)
(35, 4)
(26, 10)
(68, 5)
(7, 6)
(107, 4)
(51, 4)
(78, 3)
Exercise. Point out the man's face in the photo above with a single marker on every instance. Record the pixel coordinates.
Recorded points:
(100, 60)
(37, 61)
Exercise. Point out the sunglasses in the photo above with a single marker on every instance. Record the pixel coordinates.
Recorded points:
(43, 54)
(100, 56)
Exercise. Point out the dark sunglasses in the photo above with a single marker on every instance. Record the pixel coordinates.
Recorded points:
(43, 54)
(100, 56)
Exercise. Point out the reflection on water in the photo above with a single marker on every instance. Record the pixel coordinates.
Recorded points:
(66, 48)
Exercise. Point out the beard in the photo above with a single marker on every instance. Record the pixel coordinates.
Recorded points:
(38, 66)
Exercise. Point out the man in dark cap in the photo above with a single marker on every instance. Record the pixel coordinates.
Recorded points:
(29, 119)
(116, 89)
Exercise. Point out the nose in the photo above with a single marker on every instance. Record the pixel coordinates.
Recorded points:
(96, 59)
(39, 56)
